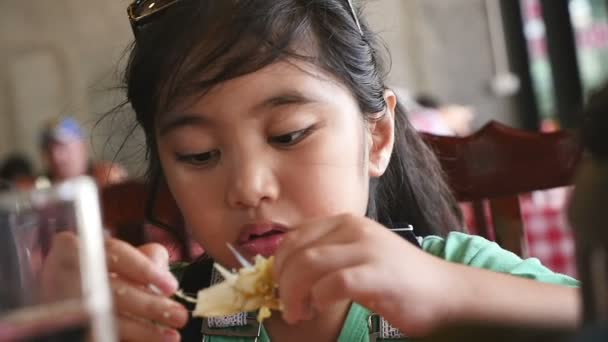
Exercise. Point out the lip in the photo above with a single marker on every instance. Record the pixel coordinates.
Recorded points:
(252, 241)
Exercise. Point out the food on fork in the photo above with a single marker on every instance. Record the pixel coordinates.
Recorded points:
(248, 289)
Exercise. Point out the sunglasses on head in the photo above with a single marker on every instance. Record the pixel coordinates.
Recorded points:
(142, 12)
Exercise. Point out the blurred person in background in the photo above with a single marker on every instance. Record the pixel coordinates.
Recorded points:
(430, 116)
(66, 155)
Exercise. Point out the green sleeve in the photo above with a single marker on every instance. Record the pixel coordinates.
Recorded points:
(478, 252)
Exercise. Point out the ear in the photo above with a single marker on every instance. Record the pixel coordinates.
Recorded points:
(382, 135)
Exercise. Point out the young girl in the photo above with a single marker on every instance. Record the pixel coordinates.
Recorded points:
(271, 123)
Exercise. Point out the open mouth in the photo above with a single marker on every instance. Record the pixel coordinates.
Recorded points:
(261, 238)
(265, 234)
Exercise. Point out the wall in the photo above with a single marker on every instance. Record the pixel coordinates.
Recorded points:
(442, 47)
(59, 57)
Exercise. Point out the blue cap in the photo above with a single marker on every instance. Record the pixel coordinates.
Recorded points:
(61, 130)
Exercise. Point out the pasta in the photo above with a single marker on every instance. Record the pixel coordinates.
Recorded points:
(248, 289)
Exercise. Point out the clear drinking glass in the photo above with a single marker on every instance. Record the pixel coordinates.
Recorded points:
(53, 277)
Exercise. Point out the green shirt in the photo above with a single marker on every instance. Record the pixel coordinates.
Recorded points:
(460, 248)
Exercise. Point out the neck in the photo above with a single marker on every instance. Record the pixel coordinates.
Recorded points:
(324, 327)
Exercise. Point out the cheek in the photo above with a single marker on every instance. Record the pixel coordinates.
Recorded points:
(330, 179)
(186, 188)
(327, 191)
(198, 199)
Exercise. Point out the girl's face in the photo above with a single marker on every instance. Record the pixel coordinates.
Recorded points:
(260, 154)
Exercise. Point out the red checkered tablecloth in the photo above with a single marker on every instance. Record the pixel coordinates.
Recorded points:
(547, 231)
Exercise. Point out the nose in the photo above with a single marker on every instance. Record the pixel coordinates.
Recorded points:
(252, 181)
(58, 154)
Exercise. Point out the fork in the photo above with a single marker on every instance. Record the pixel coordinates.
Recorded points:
(239, 257)
(225, 273)
(245, 263)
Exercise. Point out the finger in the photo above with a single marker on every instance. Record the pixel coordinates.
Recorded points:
(360, 284)
(133, 329)
(302, 236)
(128, 262)
(304, 269)
(350, 283)
(141, 303)
(157, 253)
(60, 274)
(64, 250)
(337, 230)
(159, 256)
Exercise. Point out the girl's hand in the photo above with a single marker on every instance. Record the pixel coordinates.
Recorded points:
(353, 258)
(140, 282)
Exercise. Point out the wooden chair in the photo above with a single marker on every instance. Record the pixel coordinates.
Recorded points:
(498, 163)
(123, 211)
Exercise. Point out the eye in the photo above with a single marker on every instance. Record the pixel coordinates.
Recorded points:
(198, 159)
(291, 138)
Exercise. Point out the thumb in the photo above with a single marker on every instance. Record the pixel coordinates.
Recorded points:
(157, 253)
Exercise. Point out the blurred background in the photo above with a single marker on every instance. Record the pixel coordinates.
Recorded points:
(526, 63)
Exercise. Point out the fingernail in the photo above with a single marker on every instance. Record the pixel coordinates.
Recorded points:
(114, 258)
(155, 289)
(166, 283)
(176, 314)
(170, 335)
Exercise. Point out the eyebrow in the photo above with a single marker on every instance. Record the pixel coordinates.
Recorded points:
(182, 120)
(285, 98)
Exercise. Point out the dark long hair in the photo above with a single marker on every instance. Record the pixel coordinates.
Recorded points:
(196, 45)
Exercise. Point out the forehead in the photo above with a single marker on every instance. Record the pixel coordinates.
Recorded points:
(63, 142)
(286, 77)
